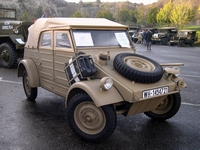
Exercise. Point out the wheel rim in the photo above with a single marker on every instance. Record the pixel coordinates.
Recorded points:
(165, 106)
(26, 85)
(89, 118)
(5, 56)
(139, 64)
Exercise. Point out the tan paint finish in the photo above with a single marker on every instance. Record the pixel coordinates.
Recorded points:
(100, 97)
(33, 76)
(45, 66)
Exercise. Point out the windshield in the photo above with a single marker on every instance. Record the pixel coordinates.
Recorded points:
(182, 33)
(101, 38)
(162, 31)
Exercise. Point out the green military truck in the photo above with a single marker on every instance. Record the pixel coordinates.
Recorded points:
(13, 35)
(184, 37)
(164, 35)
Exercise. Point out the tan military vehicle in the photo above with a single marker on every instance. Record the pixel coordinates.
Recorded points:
(93, 64)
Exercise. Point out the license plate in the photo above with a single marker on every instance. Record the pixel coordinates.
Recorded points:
(155, 92)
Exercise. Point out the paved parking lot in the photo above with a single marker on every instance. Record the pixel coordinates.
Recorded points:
(42, 124)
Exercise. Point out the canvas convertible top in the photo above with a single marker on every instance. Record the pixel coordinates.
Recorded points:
(43, 24)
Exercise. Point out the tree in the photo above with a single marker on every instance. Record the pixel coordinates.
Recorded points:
(25, 16)
(39, 12)
(151, 18)
(124, 15)
(77, 14)
(105, 14)
(182, 14)
(133, 16)
(139, 14)
(199, 8)
(163, 16)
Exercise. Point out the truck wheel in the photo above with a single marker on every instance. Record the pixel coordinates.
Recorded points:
(167, 108)
(8, 55)
(192, 43)
(181, 43)
(91, 123)
(31, 93)
(164, 41)
(138, 68)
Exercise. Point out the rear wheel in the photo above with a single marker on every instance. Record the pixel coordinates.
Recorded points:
(167, 108)
(192, 43)
(31, 93)
(8, 55)
(88, 121)
(164, 41)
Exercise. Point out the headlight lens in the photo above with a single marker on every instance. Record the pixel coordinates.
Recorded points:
(106, 83)
(16, 31)
(178, 69)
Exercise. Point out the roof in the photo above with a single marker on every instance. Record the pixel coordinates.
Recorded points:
(43, 24)
(187, 31)
(167, 28)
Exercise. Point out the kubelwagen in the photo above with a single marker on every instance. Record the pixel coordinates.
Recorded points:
(184, 37)
(164, 35)
(13, 35)
(93, 64)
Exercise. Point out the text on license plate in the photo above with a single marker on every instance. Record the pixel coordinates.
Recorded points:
(154, 92)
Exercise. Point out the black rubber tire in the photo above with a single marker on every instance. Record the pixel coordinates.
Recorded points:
(10, 55)
(83, 115)
(138, 68)
(192, 43)
(181, 43)
(164, 41)
(31, 93)
(167, 109)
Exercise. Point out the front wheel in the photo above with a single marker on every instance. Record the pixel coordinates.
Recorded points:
(164, 41)
(91, 123)
(31, 93)
(8, 55)
(167, 108)
(181, 43)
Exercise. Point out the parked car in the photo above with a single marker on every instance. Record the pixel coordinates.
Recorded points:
(13, 35)
(93, 64)
(184, 37)
(164, 35)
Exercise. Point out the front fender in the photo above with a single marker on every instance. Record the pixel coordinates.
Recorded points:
(92, 88)
(31, 69)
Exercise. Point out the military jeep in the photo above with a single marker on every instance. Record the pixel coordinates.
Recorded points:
(13, 35)
(184, 37)
(164, 35)
(93, 64)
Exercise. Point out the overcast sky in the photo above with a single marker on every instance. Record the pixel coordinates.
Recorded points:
(133, 1)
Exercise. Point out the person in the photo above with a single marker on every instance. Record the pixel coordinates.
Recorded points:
(148, 39)
(139, 38)
(144, 38)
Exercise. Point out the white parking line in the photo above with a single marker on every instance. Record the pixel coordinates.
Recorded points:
(190, 104)
(190, 76)
(7, 81)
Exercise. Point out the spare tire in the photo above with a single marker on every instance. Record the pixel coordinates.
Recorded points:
(138, 68)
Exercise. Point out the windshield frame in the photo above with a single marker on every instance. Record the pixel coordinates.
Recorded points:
(101, 38)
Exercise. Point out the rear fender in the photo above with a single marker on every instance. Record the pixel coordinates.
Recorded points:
(29, 66)
(92, 88)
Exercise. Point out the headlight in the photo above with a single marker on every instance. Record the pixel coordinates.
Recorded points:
(178, 69)
(106, 83)
(16, 31)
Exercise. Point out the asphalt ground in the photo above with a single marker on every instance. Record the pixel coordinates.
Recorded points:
(42, 125)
